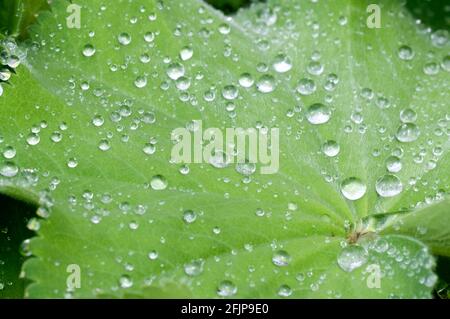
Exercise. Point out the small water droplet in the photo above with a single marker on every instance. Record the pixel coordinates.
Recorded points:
(194, 268)
(281, 258)
(158, 182)
(125, 282)
(405, 53)
(331, 148)
(88, 50)
(175, 70)
(226, 289)
(189, 216)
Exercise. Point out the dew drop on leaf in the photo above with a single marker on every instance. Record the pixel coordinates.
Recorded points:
(125, 282)
(352, 257)
(266, 84)
(281, 258)
(306, 86)
(407, 132)
(194, 268)
(331, 148)
(226, 289)
(88, 50)
(158, 182)
(405, 53)
(353, 188)
(282, 63)
(246, 80)
(318, 113)
(389, 186)
(189, 216)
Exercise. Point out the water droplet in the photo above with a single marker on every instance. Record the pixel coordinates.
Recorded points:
(315, 68)
(158, 183)
(405, 53)
(9, 152)
(266, 84)
(431, 68)
(88, 50)
(246, 169)
(246, 80)
(9, 169)
(352, 257)
(72, 163)
(389, 186)
(219, 159)
(353, 188)
(408, 116)
(125, 282)
(153, 255)
(226, 289)
(33, 139)
(149, 37)
(318, 113)
(189, 216)
(306, 86)
(439, 38)
(230, 92)
(194, 268)
(175, 71)
(331, 148)
(104, 145)
(140, 82)
(282, 63)
(285, 291)
(124, 38)
(393, 164)
(281, 258)
(98, 120)
(407, 132)
(186, 53)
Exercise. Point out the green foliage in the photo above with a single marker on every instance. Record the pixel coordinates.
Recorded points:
(89, 116)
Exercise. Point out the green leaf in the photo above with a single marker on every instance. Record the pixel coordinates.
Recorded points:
(82, 129)
(13, 219)
(17, 15)
(425, 223)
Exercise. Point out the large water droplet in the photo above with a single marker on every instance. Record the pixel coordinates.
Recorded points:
(407, 132)
(282, 63)
(266, 84)
(124, 38)
(306, 86)
(352, 257)
(281, 258)
(88, 50)
(158, 182)
(389, 185)
(194, 268)
(175, 71)
(405, 53)
(189, 216)
(353, 188)
(331, 148)
(125, 282)
(318, 113)
(226, 289)
(230, 92)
